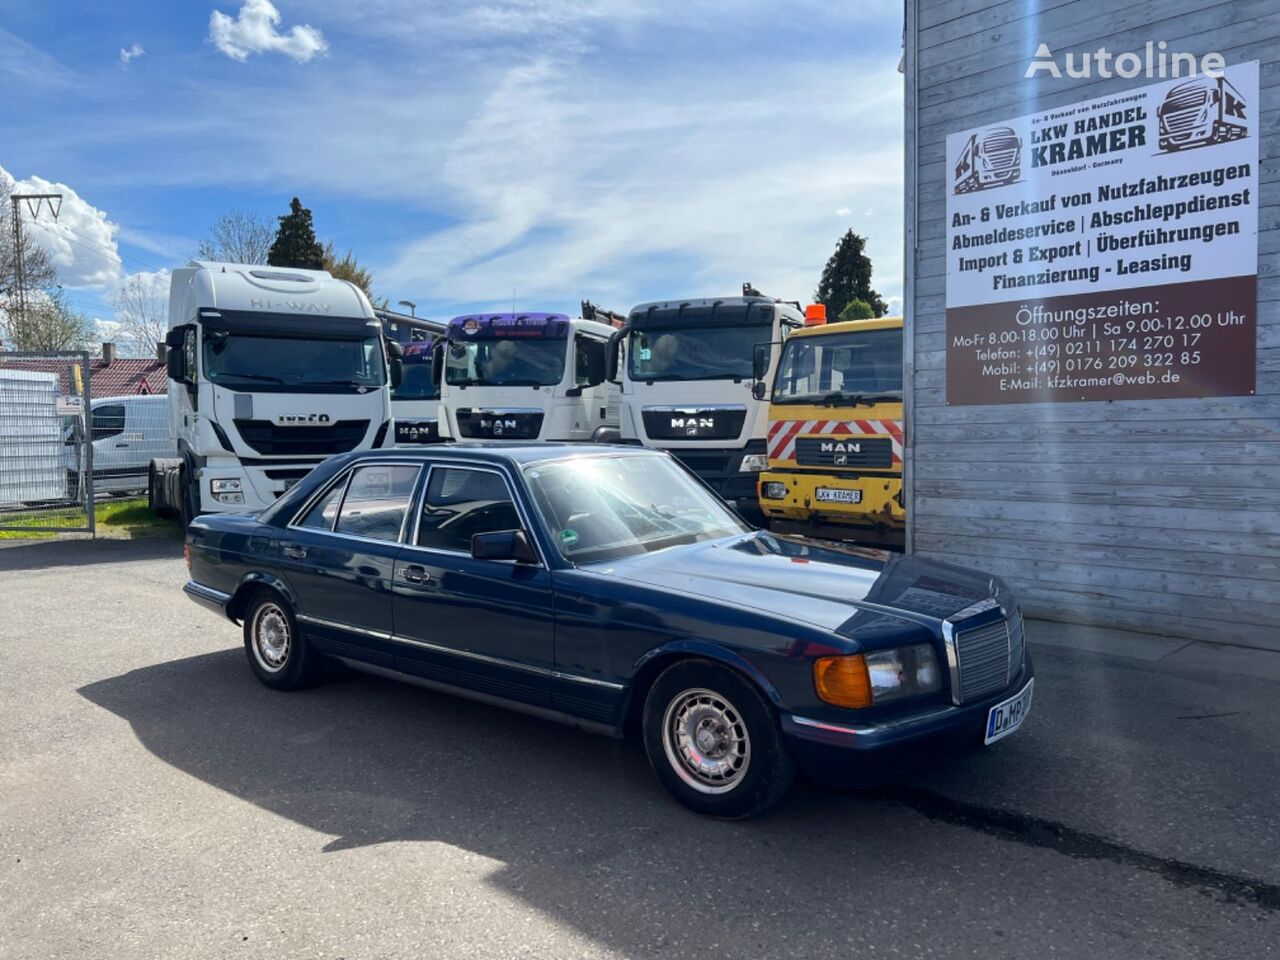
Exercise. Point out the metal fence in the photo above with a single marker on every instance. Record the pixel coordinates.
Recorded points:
(63, 452)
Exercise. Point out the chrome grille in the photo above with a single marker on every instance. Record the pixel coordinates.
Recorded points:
(1017, 643)
(983, 655)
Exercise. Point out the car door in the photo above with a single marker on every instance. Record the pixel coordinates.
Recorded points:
(482, 624)
(338, 556)
(107, 432)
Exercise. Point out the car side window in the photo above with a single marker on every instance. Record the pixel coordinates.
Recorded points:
(107, 421)
(377, 500)
(461, 502)
(325, 510)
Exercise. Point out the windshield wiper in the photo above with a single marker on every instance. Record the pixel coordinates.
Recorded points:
(837, 398)
(264, 377)
(336, 383)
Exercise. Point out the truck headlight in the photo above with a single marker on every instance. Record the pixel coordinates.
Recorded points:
(773, 490)
(753, 463)
(881, 676)
(224, 486)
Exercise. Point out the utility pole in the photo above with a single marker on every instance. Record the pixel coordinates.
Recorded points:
(34, 202)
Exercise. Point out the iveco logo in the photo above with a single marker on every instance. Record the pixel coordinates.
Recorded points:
(303, 419)
(836, 446)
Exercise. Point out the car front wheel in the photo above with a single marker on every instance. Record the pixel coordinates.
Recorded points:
(714, 741)
(278, 654)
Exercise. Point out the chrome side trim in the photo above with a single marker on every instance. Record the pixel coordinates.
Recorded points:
(334, 625)
(208, 593)
(590, 681)
(691, 407)
(467, 654)
(862, 729)
(953, 658)
(830, 727)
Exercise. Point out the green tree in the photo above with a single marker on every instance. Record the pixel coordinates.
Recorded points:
(855, 310)
(348, 268)
(846, 277)
(296, 244)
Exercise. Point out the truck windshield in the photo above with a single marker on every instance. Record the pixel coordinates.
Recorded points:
(416, 384)
(269, 363)
(855, 367)
(603, 507)
(523, 362)
(695, 353)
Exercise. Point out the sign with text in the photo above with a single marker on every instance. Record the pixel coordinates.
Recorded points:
(1107, 250)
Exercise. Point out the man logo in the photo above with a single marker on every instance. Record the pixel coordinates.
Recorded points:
(497, 427)
(841, 459)
(840, 446)
(692, 425)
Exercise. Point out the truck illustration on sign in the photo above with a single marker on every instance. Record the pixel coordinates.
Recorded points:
(1201, 112)
(992, 158)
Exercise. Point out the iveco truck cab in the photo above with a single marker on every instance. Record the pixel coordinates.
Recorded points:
(835, 433)
(688, 371)
(271, 370)
(526, 376)
(415, 401)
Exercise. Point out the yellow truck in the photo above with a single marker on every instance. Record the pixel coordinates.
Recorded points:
(835, 432)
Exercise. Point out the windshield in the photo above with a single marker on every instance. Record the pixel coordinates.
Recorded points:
(505, 363)
(856, 365)
(416, 383)
(604, 507)
(695, 353)
(248, 362)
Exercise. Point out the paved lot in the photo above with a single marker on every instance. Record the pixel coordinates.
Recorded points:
(155, 801)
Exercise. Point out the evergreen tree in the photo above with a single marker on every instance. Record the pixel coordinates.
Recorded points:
(348, 268)
(846, 277)
(296, 244)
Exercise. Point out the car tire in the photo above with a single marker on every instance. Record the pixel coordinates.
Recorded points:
(714, 741)
(278, 653)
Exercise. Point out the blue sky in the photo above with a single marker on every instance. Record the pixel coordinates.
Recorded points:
(621, 150)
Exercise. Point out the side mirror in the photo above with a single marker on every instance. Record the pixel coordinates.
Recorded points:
(176, 363)
(396, 370)
(614, 354)
(437, 362)
(759, 389)
(394, 349)
(760, 361)
(174, 338)
(503, 545)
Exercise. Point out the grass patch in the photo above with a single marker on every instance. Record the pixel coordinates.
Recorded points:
(114, 519)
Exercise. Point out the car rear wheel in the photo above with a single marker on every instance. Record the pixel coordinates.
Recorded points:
(278, 653)
(714, 741)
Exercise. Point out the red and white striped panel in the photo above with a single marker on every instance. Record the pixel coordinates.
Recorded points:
(783, 433)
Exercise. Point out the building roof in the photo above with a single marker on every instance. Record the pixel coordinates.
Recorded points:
(121, 377)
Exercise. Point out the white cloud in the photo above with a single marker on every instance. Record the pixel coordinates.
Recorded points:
(81, 243)
(131, 53)
(254, 30)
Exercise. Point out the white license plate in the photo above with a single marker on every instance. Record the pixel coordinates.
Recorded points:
(832, 495)
(1006, 717)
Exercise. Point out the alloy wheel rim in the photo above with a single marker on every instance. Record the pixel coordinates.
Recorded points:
(706, 741)
(271, 638)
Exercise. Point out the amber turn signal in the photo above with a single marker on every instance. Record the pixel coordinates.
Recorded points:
(843, 681)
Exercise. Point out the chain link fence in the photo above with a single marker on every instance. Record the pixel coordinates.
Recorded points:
(64, 452)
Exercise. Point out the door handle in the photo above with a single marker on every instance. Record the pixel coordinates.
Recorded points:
(296, 553)
(415, 574)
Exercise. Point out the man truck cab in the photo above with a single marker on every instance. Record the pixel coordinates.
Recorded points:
(271, 370)
(835, 433)
(526, 376)
(688, 370)
(415, 400)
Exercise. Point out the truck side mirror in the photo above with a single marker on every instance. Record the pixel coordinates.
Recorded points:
(176, 364)
(437, 362)
(395, 367)
(614, 353)
(760, 361)
(759, 389)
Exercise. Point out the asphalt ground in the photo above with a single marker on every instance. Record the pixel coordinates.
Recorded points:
(155, 801)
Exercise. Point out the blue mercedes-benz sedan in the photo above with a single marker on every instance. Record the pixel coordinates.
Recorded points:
(607, 587)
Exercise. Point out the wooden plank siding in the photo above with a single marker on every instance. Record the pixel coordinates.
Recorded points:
(1161, 516)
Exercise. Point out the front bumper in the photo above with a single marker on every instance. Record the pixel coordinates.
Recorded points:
(863, 755)
(878, 506)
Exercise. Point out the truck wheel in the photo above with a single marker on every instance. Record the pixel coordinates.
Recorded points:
(188, 507)
(278, 653)
(156, 502)
(714, 741)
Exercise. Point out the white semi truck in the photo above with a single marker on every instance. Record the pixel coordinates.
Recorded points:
(526, 376)
(689, 371)
(415, 401)
(271, 370)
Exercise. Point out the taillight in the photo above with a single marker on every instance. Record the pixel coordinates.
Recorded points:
(186, 556)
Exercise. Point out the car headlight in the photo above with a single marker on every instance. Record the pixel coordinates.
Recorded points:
(224, 486)
(773, 490)
(882, 676)
(753, 463)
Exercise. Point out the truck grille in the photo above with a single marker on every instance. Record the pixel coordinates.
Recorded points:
(984, 654)
(272, 440)
(693, 423)
(875, 452)
(476, 424)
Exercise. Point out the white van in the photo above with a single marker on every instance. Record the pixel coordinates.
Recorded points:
(127, 433)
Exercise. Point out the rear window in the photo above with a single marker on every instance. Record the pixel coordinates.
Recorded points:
(377, 500)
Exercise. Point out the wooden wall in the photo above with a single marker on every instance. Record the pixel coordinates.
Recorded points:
(1157, 516)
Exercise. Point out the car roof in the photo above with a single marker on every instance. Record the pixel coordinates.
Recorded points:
(511, 452)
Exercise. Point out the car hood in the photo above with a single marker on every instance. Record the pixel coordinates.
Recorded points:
(823, 584)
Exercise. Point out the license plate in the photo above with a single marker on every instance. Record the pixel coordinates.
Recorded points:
(833, 495)
(1006, 717)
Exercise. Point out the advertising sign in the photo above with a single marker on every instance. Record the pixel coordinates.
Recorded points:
(1107, 249)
